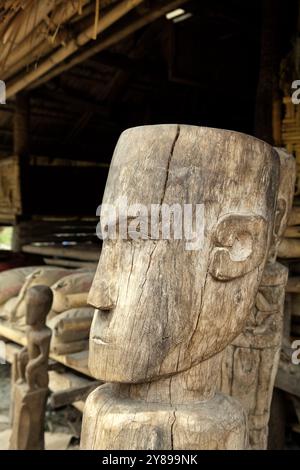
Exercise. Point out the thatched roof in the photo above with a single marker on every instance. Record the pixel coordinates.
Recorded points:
(141, 69)
(36, 36)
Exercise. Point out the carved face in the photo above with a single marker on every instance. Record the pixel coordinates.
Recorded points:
(38, 301)
(161, 308)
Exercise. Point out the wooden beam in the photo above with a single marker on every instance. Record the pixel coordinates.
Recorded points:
(73, 46)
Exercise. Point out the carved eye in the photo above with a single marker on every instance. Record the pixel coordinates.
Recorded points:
(240, 246)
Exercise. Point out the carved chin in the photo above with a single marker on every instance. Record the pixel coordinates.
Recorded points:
(109, 362)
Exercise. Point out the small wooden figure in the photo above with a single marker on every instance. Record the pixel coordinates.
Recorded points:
(30, 389)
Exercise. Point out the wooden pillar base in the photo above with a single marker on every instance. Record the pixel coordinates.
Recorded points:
(29, 406)
(115, 422)
(29, 417)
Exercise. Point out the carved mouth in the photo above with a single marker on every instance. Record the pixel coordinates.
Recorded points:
(99, 341)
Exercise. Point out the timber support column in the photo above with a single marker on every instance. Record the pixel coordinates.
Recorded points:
(21, 149)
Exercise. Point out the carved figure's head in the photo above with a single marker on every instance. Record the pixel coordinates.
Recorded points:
(38, 300)
(163, 306)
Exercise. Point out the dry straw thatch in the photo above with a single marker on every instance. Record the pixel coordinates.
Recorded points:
(28, 28)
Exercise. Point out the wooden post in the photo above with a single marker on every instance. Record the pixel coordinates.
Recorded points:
(21, 135)
(165, 310)
(30, 389)
(21, 125)
(251, 361)
(269, 70)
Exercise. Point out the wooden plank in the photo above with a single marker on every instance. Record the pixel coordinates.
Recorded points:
(71, 395)
(69, 263)
(83, 253)
(59, 382)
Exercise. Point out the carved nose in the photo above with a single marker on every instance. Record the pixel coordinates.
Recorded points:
(104, 291)
(102, 296)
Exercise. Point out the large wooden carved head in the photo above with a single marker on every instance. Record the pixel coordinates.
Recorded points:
(165, 303)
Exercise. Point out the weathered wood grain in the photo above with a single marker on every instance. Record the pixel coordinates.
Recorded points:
(251, 362)
(165, 314)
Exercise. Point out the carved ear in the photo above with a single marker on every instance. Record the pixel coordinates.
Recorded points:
(240, 246)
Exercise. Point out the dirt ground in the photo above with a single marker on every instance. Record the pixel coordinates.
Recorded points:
(62, 426)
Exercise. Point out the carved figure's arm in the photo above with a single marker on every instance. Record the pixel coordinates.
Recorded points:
(43, 346)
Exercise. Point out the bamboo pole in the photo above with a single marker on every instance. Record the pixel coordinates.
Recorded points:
(108, 42)
(41, 49)
(74, 45)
